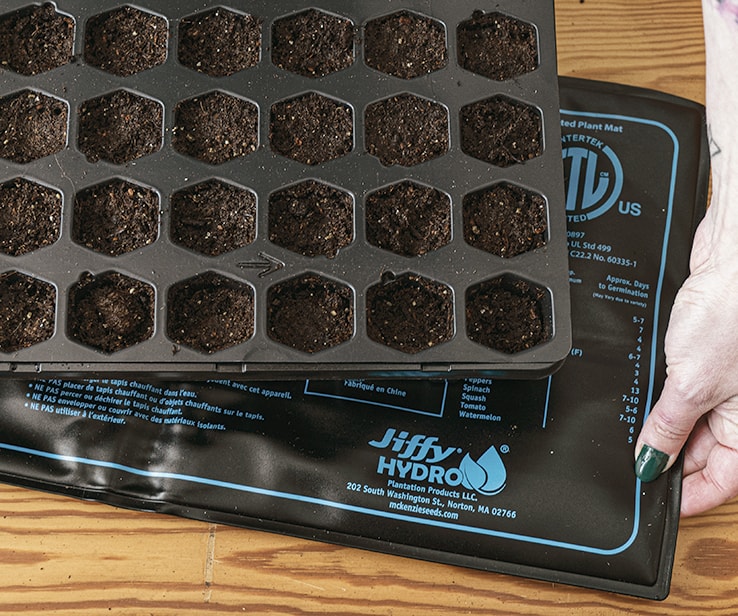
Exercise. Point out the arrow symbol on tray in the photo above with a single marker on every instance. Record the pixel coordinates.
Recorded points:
(266, 263)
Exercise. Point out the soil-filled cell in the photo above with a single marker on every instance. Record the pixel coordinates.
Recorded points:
(116, 217)
(120, 127)
(311, 129)
(310, 313)
(110, 312)
(27, 311)
(126, 41)
(313, 43)
(508, 314)
(497, 46)
(501, 131)
(406, 130)
(408, 219)
(216, 127)
(30, 216)
(409, 313)
(405, 45)
(210, 312)
(505, 220)
(311, 219)
(32, 126)
(36, 39)
(219, 42)
(213, 217)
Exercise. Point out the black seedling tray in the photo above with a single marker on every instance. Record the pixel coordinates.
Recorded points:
(300, 250)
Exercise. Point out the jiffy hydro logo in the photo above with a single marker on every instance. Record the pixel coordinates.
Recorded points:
(421, 458)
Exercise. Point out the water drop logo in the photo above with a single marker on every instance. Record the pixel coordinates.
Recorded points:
(487, 475)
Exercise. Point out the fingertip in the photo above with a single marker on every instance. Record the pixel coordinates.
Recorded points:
(650, 463)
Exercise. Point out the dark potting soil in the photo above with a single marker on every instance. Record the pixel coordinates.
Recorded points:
(215, 127)
(405, 45)
(27, 310)
(501, 131)
(311, 219)
(116, 217)
(406, 130)
(505, 220)
(120, 127)
(311, 129)
(36, 39)
(408, 219)
(497, 46)
(125, 41)
(110, 312)
(33, 125)
(219, 42)
(310, 313)
(210, 312)
(213, 217)
(507, 314)
(409, 313)
(313, 43)
(30, 216)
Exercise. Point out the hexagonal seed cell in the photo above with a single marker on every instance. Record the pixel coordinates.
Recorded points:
(33, 125)
(216, 127)
(408, 218)
(36, 39)
(210, 312)
(115, 217)
(405, 44)
(313, 43)
(311, 128)
(213, 217)
(310, 313)
(30, 216)
(497, 46)
(110, 312)
(219, 42)
(505, 220)
(406, 130)
(120, 127)
(27, 311)
(508, 314)
(126, 41)
(409, 313)
(311, 218)
(501, 131)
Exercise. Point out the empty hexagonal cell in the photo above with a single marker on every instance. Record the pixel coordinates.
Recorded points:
(408, 219)
(508, 314)
(125, 41)
(36, 39)
(32, 126)
(310, 313)
(116, 217)
(110, 312)
(409, 313)
(30, 216)
(210, 312)
(27, 311)
(311, 218)
(216, 127)
(505, 220)
(497, 46)
(311, 128)
(219, 42)
(405, 44)
(120, 127)
(213, 217)
(501, 131)
(406, 130)
(313, 43)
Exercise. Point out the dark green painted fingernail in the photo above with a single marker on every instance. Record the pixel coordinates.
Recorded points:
(650, 463)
